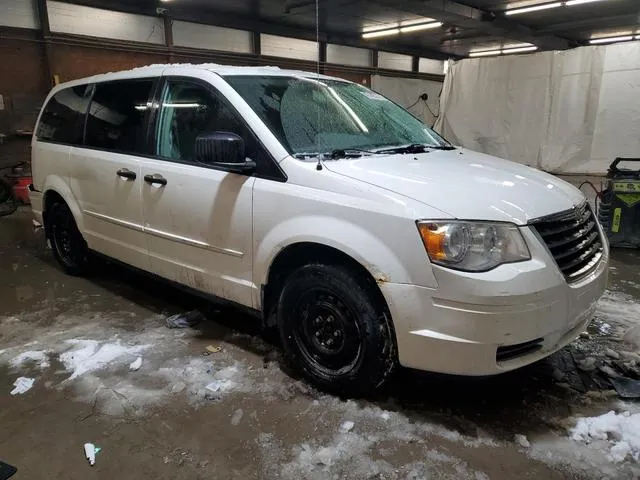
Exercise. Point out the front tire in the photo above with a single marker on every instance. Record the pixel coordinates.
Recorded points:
(335, 330)
(69, 248)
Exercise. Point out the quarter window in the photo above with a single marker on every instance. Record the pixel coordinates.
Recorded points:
(63, 118)
(116, 118)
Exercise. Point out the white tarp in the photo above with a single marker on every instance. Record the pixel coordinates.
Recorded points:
(564, 112)
(406, 92)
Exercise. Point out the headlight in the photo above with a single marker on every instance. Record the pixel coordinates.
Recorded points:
(473, 246)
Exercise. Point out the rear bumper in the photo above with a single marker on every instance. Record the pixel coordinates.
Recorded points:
(493, 322)
(35, 198)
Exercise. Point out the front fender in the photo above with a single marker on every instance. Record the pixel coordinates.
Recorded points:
(376, 256)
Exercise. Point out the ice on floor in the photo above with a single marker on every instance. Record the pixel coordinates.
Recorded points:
(620, 433)
(38, 357)
(87, 356)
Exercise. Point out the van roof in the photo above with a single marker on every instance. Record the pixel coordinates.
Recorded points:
(167, 69)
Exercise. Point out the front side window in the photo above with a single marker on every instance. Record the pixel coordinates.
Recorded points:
(116, 116)
(188, 110)
(317, 115)
(63, 118)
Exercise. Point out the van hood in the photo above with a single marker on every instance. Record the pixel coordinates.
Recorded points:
(465, 184)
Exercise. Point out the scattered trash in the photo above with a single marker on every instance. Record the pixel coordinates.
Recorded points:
(347, 426)
(522, 441)
(22, 384)
(136, 364)
(185, 320)
(612, 354)
(237, 416)
(212, 349)
(90, 453)
(626, 387)
(7, 470)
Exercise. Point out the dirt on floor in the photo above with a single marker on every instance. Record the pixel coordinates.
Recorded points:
(237, 410)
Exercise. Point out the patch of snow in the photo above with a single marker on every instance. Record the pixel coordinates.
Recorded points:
(621, 433)
(347, 426)
(87, 356)
(522, 441)
(236, 417)
(619, 308)
(35, 356)
(136, 364)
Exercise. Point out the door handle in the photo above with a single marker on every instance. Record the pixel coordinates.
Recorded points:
(155, 178)
(126, 173)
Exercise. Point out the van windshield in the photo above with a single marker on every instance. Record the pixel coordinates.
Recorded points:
(317, 117)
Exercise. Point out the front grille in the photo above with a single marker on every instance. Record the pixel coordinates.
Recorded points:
(573, 239)
(510, 352)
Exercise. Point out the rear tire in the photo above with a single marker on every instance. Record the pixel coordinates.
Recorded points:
(69, 248)
(335, 330)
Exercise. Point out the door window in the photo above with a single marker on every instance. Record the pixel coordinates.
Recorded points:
(189, 109)
(63, 118)
(116, 118)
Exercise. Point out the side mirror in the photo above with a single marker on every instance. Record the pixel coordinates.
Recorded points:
(224, 150)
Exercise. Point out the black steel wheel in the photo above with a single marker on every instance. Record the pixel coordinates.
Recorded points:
(69, 248)
(335, 331)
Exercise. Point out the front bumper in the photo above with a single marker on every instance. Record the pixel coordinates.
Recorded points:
(492, 322)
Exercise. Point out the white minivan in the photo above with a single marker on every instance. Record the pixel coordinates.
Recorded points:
(365, 237)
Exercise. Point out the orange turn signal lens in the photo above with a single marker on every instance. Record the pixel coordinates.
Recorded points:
(433, 239)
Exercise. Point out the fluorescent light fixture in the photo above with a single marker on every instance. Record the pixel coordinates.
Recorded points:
(533, 8)
(570, 3)
(424, 26)
(503, 51)
(621, 38)
(485, 53)
(381, 33)
(507, 51)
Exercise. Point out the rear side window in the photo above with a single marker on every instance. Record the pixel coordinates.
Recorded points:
(63, 118)
(116, 118)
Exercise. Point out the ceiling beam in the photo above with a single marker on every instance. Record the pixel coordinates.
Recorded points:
(454, 13)
(599, 23)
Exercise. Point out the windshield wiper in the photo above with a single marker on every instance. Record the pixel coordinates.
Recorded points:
(348, 153)
(415, 148)
(411, 148)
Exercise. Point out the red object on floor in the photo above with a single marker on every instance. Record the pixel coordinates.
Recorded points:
(21, 187)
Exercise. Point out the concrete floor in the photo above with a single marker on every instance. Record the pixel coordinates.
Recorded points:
(77, 336)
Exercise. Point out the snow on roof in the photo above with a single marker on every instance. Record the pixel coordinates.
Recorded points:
(159, 69)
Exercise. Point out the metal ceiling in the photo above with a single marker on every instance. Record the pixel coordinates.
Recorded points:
(468, 25)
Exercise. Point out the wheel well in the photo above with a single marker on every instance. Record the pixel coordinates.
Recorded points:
(299, 254)
(50, 197)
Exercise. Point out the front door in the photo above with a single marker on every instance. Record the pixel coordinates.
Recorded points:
(104, 174)
(197, 219)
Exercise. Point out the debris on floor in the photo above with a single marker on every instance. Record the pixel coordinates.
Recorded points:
(90, 453)
(7, 471)
(626, 388)
(136, 364)
(22, 384)
(213, 349)
(185, 320)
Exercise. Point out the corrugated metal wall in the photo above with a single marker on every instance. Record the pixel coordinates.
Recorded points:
(286, 47)
(209, 37)
(19, 14)
(95, 22)
(341, 55)
(395, 61)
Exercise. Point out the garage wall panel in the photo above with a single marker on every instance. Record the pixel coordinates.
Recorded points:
(406, 92)
(72, 62)
(429, 65)
(394, 61)
(276, 46)
(19, 14)
(95, 22)
(343, 55)
(209, 37)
